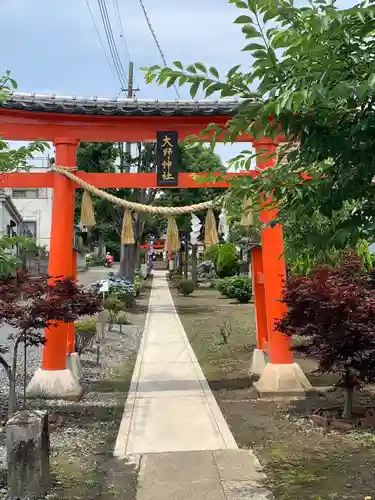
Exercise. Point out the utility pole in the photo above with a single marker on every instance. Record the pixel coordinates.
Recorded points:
(130, 95)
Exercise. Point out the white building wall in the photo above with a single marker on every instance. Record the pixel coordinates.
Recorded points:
(36, 207)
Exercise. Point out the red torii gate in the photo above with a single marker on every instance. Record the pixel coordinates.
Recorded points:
(66, 121)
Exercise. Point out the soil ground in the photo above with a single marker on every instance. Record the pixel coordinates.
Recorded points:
(83, 434)
(302, 462)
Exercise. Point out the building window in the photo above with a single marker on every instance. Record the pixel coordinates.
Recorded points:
(29, 229)
(25, 193)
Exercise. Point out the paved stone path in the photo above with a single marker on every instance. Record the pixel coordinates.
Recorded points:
(172, 427)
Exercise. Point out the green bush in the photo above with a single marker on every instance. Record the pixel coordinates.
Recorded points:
(186, 287)
(122, 319)
(221, 285)
(173, 273)
(175, 280)
(113, 305)
(239, 288)
(227, 261)
(85, 331)
(212, 253)
(138, 286)
(94, 259)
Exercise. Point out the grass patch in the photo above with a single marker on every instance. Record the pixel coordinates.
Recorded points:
(302, 462)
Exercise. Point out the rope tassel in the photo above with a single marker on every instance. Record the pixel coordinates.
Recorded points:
(127, 234)
(247, 218)
(87, 211)
(210, 231)
(173, 238)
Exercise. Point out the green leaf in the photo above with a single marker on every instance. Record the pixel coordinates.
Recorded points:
(233, 70)
(371, 80)
(171, 81)
(194, 89)
(260, 54)
(253, 46)
(201, 67)
(243, 20)
(178, 65)
(251, 32)
(191, 69)
(270, 14)
(214, 72)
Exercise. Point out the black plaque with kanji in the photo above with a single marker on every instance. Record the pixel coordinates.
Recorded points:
(167, 158)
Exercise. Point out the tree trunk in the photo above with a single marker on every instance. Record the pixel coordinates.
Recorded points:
(348, 402)
(138, 230)
(127, 262)
(12, 398)
(180, 261)
(101, 245)
(194, 250)
(186, 263)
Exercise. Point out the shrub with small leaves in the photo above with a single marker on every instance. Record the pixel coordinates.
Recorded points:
(222, 286)
(186, 287)
(227, 261)
(85, 330)
(113, 305)
(239, 288)
(176, 278)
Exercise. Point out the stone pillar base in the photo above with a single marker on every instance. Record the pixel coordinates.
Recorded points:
(54, 384)
(282, 380)
(73, 363)
(258, 363)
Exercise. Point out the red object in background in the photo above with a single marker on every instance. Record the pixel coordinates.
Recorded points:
(158, 244)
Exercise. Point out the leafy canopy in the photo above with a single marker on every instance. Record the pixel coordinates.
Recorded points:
(312, 81)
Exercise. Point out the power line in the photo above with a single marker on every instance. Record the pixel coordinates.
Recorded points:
(112, 44)
(156, 41)
(100, 38)
(122, 34)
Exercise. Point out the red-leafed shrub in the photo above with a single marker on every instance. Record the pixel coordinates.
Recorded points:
(30, 305)
(333, 311)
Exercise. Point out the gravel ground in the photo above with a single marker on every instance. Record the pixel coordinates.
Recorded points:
(83, 434)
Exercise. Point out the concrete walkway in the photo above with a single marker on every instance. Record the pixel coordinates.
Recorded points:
(170, 406)
(172, 427)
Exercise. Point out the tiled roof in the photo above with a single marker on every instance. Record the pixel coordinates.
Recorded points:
(119, 106)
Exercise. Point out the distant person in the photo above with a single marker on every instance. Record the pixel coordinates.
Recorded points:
(108, 260)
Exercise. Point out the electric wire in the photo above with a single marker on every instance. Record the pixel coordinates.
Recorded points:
(122, 33)
(112, 44)
(100, 39)
(147, 17)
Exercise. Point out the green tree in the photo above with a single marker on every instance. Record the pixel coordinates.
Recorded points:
(192, 159)
(101, 157)
(313, 72)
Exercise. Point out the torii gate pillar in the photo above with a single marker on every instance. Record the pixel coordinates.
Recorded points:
(53, 379)
(281, 376)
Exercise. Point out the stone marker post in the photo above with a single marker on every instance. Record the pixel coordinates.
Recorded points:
(27, 440)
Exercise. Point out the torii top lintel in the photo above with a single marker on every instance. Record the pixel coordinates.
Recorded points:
(38, 116)
(26, 117)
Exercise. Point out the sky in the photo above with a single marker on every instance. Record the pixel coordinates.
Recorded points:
(51, 46)
(57, 50)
